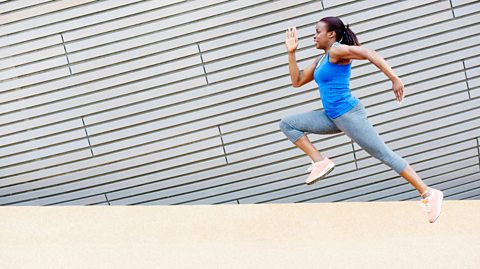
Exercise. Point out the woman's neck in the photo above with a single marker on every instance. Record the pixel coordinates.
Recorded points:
(330, 44)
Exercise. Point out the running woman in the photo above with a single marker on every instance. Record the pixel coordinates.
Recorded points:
(342, 111)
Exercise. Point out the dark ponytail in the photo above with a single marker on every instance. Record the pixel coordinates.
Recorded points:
(345, 35)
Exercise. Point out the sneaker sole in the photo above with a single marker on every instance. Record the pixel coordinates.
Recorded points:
(329, 170)
(440, 206)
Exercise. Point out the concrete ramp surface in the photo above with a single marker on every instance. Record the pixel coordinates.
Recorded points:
(328, 235)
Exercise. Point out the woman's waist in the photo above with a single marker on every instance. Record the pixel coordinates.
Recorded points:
(334, 90)
(335, 97)
(338, 101)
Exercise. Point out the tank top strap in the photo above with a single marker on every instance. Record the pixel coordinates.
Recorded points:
(321, 60)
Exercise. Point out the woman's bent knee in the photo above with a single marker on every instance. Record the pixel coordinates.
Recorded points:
(285, 126)
(289, 130)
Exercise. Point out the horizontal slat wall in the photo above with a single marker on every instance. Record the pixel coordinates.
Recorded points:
(173, 102)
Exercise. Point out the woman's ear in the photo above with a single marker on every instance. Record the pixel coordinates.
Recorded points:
(331, 34)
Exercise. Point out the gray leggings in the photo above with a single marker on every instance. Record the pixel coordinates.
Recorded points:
(354, 124)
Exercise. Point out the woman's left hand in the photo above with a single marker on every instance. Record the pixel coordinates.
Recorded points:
(398, 89)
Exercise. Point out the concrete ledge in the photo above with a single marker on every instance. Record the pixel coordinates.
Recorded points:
(328, 235)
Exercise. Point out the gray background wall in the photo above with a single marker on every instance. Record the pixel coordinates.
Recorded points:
(170, 102)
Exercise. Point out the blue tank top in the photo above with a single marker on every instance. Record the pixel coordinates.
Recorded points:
(334, 83)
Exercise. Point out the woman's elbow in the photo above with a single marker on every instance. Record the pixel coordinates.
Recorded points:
(296, 85)
(371, 55)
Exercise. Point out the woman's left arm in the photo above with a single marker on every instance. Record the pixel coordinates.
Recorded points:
(361, 53)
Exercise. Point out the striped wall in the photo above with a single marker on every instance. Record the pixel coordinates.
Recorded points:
(178, 102)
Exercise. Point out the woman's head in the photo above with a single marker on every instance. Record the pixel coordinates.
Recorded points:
(332, 28)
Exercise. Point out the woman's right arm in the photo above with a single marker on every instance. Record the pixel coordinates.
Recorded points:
(298, 77)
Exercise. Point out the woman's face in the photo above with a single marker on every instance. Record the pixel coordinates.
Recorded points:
(322, 37)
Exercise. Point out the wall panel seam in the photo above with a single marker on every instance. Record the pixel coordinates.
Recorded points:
(466, 79)
(66, 54)
(203, 63)
(87, 136)
(478, 151)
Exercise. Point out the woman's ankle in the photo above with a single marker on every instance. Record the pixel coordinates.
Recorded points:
(318, 159)
(426, 193)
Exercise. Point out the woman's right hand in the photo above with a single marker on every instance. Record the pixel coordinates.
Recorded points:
(399, 90)
(291, 41)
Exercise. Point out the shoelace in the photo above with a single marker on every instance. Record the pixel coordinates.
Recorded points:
(312, 165)
(310, 168)
(426, 205)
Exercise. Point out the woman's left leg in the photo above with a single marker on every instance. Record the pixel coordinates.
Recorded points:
(412, 177)
(356, 125)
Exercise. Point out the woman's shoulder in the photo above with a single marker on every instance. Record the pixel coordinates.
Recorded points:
(337, 44)
(338, 53)
(337, 48)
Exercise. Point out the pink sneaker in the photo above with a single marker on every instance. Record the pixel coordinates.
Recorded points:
(433, 204)
(319, 169)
